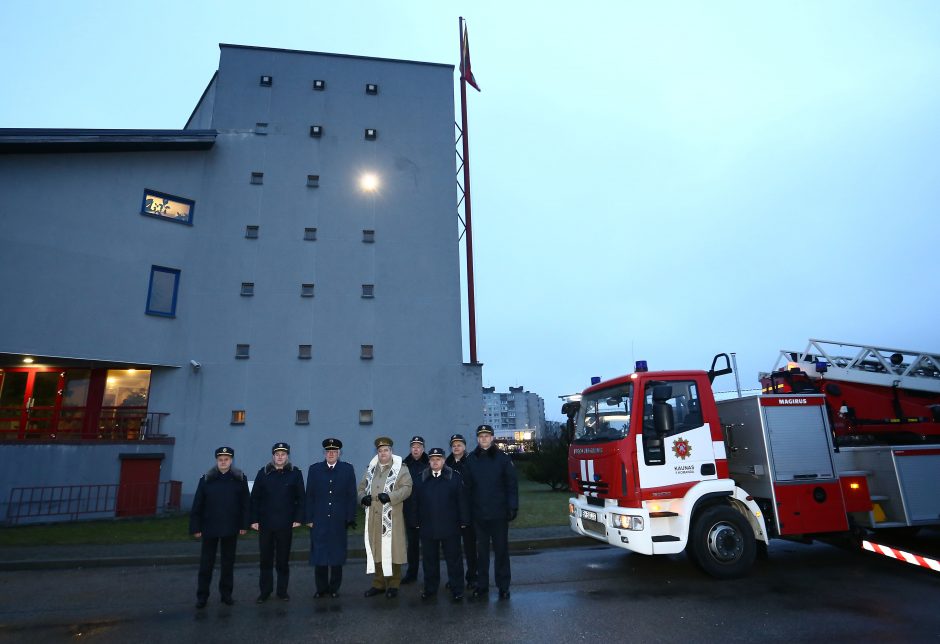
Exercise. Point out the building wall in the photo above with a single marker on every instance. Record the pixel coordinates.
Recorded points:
(81, 256)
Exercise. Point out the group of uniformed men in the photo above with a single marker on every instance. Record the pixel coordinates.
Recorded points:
(421, 504)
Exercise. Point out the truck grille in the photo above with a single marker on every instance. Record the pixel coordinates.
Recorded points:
(593, 488)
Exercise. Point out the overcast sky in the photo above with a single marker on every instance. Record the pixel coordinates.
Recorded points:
(658, 181)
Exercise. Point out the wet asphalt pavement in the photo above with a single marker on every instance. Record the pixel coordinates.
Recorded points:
(595, 594)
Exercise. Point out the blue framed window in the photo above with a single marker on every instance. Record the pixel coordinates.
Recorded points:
(162, 292)
(164, 206)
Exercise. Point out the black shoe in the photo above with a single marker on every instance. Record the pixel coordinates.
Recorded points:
(504, 594)
(391, 593)
(319, 595)
(334, 594)
(458, 597)
(426, 594)
(228, 601)
(372, 592)
(481, 592)
(284, 598)
(408, 580)
(200, 604)
(262, 598)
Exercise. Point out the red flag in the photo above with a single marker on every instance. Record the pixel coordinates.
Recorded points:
(465, 72)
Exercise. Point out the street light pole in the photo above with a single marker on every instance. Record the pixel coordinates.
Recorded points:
(471, 304)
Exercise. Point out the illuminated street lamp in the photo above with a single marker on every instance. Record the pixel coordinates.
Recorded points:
(369, 182)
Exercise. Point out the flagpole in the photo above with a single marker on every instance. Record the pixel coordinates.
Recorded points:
(471, 305)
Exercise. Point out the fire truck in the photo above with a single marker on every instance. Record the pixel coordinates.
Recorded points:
(660, 467)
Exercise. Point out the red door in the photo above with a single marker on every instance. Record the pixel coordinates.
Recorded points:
(137, 491)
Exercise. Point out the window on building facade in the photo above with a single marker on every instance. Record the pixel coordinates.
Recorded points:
(366, 352)
(162, 292)
(261, 128)
(316, 131)
(248, 288)
(267, 81)
(306, 290)
(238, 417)
(251, 232)
(257, 178)
(368, 236)
(372, 88)
(242, 351)
(305, 351)
(368, 290)
(310, 234)
(313, 180)
(371, 133)
(302, 417)
(365, 416)
(319, 85)
(166, 206)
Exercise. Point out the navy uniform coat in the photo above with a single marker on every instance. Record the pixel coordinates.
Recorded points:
(415, 468)
(331, 504)
(491, 478)
(277, 497)
(441, 504)
(221, 506)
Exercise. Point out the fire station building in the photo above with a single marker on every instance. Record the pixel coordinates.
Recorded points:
(283, 268)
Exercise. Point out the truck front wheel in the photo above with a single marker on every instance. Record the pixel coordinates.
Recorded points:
(722, 543)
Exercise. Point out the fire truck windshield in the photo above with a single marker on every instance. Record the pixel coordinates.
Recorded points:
(604, 415)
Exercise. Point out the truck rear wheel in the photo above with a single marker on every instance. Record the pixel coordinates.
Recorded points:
(722, 543)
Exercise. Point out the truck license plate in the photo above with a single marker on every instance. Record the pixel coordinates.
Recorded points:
(589, 515)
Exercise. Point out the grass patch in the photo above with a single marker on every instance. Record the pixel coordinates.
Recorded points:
(539, 506)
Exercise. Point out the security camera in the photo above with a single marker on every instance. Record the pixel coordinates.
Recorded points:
(196, 366)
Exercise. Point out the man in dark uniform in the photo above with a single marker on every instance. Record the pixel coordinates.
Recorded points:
(442, 510)
(457, 461)
(331, 509)
(219, 514)
(277, 507)
(494, 499)
(417, 462)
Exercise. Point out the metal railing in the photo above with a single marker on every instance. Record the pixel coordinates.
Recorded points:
(72, 502)
(114, 424)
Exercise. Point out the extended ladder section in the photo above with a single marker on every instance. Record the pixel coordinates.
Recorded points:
(867, 364)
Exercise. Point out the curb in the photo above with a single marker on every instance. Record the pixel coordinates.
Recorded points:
(248, 557)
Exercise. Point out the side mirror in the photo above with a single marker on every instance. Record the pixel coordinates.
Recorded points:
(664, 420)
(714, 373)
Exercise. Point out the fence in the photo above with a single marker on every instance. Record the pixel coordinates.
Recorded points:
(71, 502)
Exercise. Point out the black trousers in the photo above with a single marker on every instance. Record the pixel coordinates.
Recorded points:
(469, 536)
(414, 552)
(497, 532)
(275, 553)
(207, 562)
(328, 578)
(430, 549)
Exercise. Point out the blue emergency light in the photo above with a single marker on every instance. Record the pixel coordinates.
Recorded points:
(595, 380)
(641, 366)
(822, 366)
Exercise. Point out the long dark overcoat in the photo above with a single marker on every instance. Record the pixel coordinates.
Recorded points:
(331, 504)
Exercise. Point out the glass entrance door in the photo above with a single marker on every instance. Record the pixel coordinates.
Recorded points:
(29, 402)
(12, 403)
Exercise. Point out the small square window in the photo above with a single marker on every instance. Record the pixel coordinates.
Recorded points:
(261, 128)
(319, 85)
(371, 133)
(248, 288)
(257, 178)
(302, 417)
(316, 131)
(267, 81)
(306, 290)
(365, 416)
(368, 290)
(368, 236)
(365, 352)
(305, 351)
(251, 232)
(313, 180)
(162, 291)
(241, 351)
(372, 88)
(238, 416)
(310, 234)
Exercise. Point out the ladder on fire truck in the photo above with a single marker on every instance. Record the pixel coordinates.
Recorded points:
(867, 364)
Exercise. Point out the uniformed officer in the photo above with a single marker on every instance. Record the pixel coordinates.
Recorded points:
(494, 500)
(457, 461)
(417, 462)
(382, 490)
(219, 514)
(331, 510)
(277, 507)
(442, 510)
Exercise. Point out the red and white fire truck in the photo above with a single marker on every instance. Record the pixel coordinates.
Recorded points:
(659, 467)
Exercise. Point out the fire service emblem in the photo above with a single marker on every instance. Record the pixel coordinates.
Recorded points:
(681, 448)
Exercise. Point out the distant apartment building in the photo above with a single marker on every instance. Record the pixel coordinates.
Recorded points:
(283, 268)
(516, 415)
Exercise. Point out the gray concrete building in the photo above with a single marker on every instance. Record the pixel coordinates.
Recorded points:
(284, 268)
(516, 414)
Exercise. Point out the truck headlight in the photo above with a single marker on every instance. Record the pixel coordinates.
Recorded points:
(626, 522)
(571, 509)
